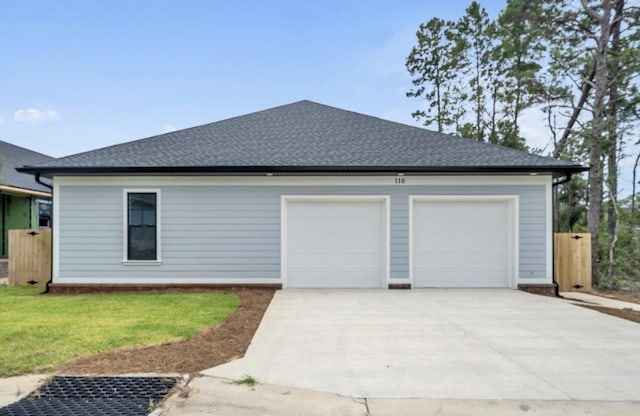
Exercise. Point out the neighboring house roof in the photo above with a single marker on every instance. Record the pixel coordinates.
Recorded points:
(303, 137)
(12, 157)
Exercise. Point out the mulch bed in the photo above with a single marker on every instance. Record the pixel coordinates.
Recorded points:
(624, 296)
(212, 346)
(627, 314)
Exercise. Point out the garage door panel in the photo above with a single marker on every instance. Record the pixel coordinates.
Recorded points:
(328, 278)
(341, 257)
(335, 243)
(461, 243)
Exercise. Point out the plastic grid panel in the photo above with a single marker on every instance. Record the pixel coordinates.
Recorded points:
(80, 396)
(74, 407)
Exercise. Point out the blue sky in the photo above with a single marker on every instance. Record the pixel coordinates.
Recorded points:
(78, 75)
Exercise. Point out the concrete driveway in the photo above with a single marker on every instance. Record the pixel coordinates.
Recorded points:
(442, 344)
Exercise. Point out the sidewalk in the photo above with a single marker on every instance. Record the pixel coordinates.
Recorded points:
(599, 301)
(210, 395)
(13, 389)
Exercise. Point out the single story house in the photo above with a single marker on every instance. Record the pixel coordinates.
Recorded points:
(304, 196)
(24, 203)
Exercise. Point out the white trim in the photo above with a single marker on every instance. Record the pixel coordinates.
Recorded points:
(56, 231)
(142, 262)
(514, 226)
(283, 227)
(283, 240)
(533, 281)
(387, 231)
(158, 192)
(299, 180)
(164, 280)
(549, 229)
(399, 281)
(411, 203)
(515, 234)
(462, 197)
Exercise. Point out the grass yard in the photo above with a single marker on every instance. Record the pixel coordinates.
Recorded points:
(38, 333)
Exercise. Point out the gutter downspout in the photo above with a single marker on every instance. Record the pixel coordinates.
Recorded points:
(46, 290)
(567, 178)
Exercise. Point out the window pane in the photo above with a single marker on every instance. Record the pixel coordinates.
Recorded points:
(134, 200)
(135, 217)
(149, 217)
(44, 214)
(142, 243)
(149, 199)
(142, 238)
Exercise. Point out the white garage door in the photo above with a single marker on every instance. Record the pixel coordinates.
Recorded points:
(463, 242)
(334, 243)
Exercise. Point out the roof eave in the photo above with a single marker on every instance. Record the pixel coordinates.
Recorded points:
(229, 170)
(24, 191)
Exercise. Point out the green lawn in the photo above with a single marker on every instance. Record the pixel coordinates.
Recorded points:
(39, 332)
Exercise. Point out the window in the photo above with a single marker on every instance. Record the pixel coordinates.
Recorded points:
(142, 226)
(44, 214)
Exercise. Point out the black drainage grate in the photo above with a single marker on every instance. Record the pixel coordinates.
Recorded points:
(80, 396)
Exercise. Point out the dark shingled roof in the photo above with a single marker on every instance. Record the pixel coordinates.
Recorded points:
(299, 137)
(11, 157)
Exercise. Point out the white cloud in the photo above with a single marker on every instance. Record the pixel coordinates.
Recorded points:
(533, 127)
(34, 116)
(168, 128)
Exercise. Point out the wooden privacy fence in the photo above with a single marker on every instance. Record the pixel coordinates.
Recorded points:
(572, 261)
(29, 257)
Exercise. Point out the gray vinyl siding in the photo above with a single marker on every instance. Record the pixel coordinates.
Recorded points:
(234, 232)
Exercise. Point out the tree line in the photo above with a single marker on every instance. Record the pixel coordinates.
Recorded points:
(578, 63)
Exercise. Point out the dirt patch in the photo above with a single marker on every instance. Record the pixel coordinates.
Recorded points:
(212, 346)
(627, 314)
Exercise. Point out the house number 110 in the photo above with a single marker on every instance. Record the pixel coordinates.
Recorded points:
(400, 181)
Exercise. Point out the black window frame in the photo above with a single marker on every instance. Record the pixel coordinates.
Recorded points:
(142, 197)
(41, 217)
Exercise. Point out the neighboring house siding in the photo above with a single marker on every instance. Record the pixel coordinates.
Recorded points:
(14, 215)
(233, 232)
